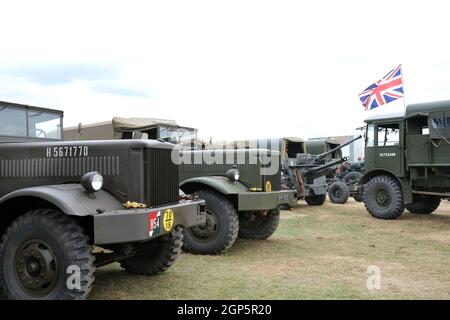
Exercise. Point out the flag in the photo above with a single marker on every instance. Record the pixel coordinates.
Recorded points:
(383, 91)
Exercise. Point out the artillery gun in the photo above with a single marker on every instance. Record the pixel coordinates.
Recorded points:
(307, 174)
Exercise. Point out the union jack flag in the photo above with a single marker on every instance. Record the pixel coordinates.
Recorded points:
(383, 91)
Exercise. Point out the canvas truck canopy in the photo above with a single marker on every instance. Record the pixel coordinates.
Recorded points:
(438, 114)
(133, 124)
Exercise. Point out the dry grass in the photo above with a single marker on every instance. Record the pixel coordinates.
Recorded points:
(317, 253)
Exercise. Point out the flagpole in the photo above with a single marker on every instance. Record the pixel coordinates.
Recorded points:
(403, 85)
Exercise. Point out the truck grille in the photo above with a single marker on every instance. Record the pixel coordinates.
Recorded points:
(161, 177)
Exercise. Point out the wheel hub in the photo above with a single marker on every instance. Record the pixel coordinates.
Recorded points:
(36, 267)
(382, 198)
(208, 230)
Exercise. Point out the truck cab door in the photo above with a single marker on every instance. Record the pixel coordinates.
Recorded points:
(389, 151)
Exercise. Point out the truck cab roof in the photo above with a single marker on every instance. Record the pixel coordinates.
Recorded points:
(412, 110)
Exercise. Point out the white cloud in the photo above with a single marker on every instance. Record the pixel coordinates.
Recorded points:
(234, 69)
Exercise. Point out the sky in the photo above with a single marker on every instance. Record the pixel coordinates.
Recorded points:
(233, 69)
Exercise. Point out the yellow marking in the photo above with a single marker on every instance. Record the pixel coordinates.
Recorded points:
(268, 186)
(168, 220)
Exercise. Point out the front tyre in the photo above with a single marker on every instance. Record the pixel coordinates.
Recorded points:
(258, 225)
(424, 204)
(317, 200)
(219, 232)
(44, 254)
(383, 198)
(158, 257)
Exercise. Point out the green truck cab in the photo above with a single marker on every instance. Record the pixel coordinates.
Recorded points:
(242, 188)
(60, 199)
(407, 161)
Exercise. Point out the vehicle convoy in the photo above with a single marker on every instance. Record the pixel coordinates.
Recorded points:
(306, 174)
(407, 161)
(60, 199)
(242, 188)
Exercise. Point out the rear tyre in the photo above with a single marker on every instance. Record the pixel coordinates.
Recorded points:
(383, 198)
(219, 232)
(316, 200)
(258, 225)
(338, 192)
(424, 205)
(158, 257)
(45, 255)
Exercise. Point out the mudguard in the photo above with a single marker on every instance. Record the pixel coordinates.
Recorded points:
(221, 184)
(72, 199)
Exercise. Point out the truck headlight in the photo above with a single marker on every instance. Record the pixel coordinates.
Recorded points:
(92, 181)
(232, 174)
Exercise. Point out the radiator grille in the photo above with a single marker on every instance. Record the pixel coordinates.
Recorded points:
(161, 177)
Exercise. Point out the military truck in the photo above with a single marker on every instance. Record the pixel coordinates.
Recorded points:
(242, 188)
(60, 199)
(407, 160)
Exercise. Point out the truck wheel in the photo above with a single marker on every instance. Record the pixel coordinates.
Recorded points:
(258, 225)
(46, 255)
(383, 198)
(316, 200)
(158, 257)
(219, 232)
(352, 177)
(338, 192)
(424, 205)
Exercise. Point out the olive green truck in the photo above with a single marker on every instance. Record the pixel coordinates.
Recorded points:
(241, 188)
(407, 161)
(60, 199)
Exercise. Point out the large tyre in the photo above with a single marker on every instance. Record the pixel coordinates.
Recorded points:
(383, 198)
(352, 177)
(258, 225)
(46, 255)
(316, 200)
(424, 204)
(158, 258)
(338, 192)
(219, 232)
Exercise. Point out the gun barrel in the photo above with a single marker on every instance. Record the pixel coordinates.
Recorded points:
(323, 155)
(325, 166)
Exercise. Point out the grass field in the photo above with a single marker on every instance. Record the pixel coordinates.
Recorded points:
(316, 253)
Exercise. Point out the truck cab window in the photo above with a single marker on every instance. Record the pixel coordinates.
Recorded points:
(370, 135)
(388, 135)
(13, 122)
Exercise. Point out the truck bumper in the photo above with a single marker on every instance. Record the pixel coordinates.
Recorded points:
(136, 225)
(256, 201)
